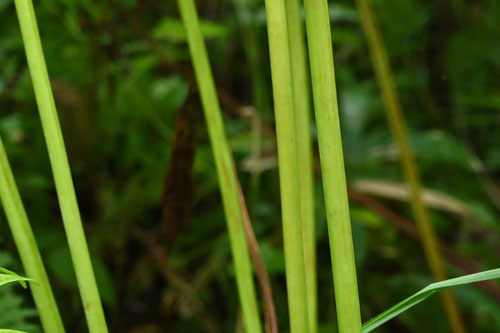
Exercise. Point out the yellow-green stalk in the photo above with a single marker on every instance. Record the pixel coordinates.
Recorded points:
(261, 100)
(283, 93)
(60, 168)
(332, 165)
(302, 103)
(226, 170)
(397, 123)
(27, 247)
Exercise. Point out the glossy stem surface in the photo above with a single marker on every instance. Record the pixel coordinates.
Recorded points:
(332, 165)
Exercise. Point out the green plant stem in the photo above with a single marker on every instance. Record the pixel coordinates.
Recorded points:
(397, 123)
(27, 247)
(302, 103)
(332, 165)
(60, 168)
(281, 72)
(260, 91)
(251, 42)
(226, 170)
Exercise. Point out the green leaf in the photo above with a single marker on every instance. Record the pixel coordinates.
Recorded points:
(426, 292)
(10, 276)
(11, 331)
(4, 4)
(172, 29)
(440, 147)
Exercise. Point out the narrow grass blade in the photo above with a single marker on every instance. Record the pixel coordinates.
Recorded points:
(332, 165)
(302, 103)
(226, 170)
(281, 73)
(426, 292)
(27, 247)
(60, 168)
(11, 331)
(398, 127)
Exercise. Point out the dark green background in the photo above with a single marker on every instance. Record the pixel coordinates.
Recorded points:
(121, 74)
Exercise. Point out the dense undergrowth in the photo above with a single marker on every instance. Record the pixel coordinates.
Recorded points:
(147, 184)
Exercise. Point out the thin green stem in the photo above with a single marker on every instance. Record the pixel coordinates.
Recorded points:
(332, 165)
(226, 170)
(398, 127)
(27, 247)
(302, 102)
(261, 98)
(60, 168)
(283, 93)
(251, 42)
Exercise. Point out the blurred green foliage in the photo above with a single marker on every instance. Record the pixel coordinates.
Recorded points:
(121, 74)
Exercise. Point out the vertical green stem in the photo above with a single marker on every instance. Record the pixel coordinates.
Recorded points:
(397, 123)
(251, 42)
(225, 167)
(27, 247)
(332, 165)
(60, 168)
(281, 72)
(302, 102)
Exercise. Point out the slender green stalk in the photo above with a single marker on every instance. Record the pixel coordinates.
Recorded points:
(225, 166)
(261, 98)
(397, 123)
(27, 247)
(60, 168)
(281, 72)
(332, 165)
(251, 42)
(302, 102)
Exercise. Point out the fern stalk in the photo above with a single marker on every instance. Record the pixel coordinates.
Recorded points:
(27, 247)
(226, 170)
(332, 165)
(302, 103)
(60, 168)
(283, 92)
(397, 123)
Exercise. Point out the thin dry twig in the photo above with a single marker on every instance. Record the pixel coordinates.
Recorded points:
(260, 269)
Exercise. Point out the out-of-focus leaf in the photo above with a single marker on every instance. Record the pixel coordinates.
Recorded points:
(342, 12)
(273, 257)
(104, 282)
(360, 242)
(59, 261)
(171, 92)
(437, 146)
(4, 4)
(171, 28)
(354, 103)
